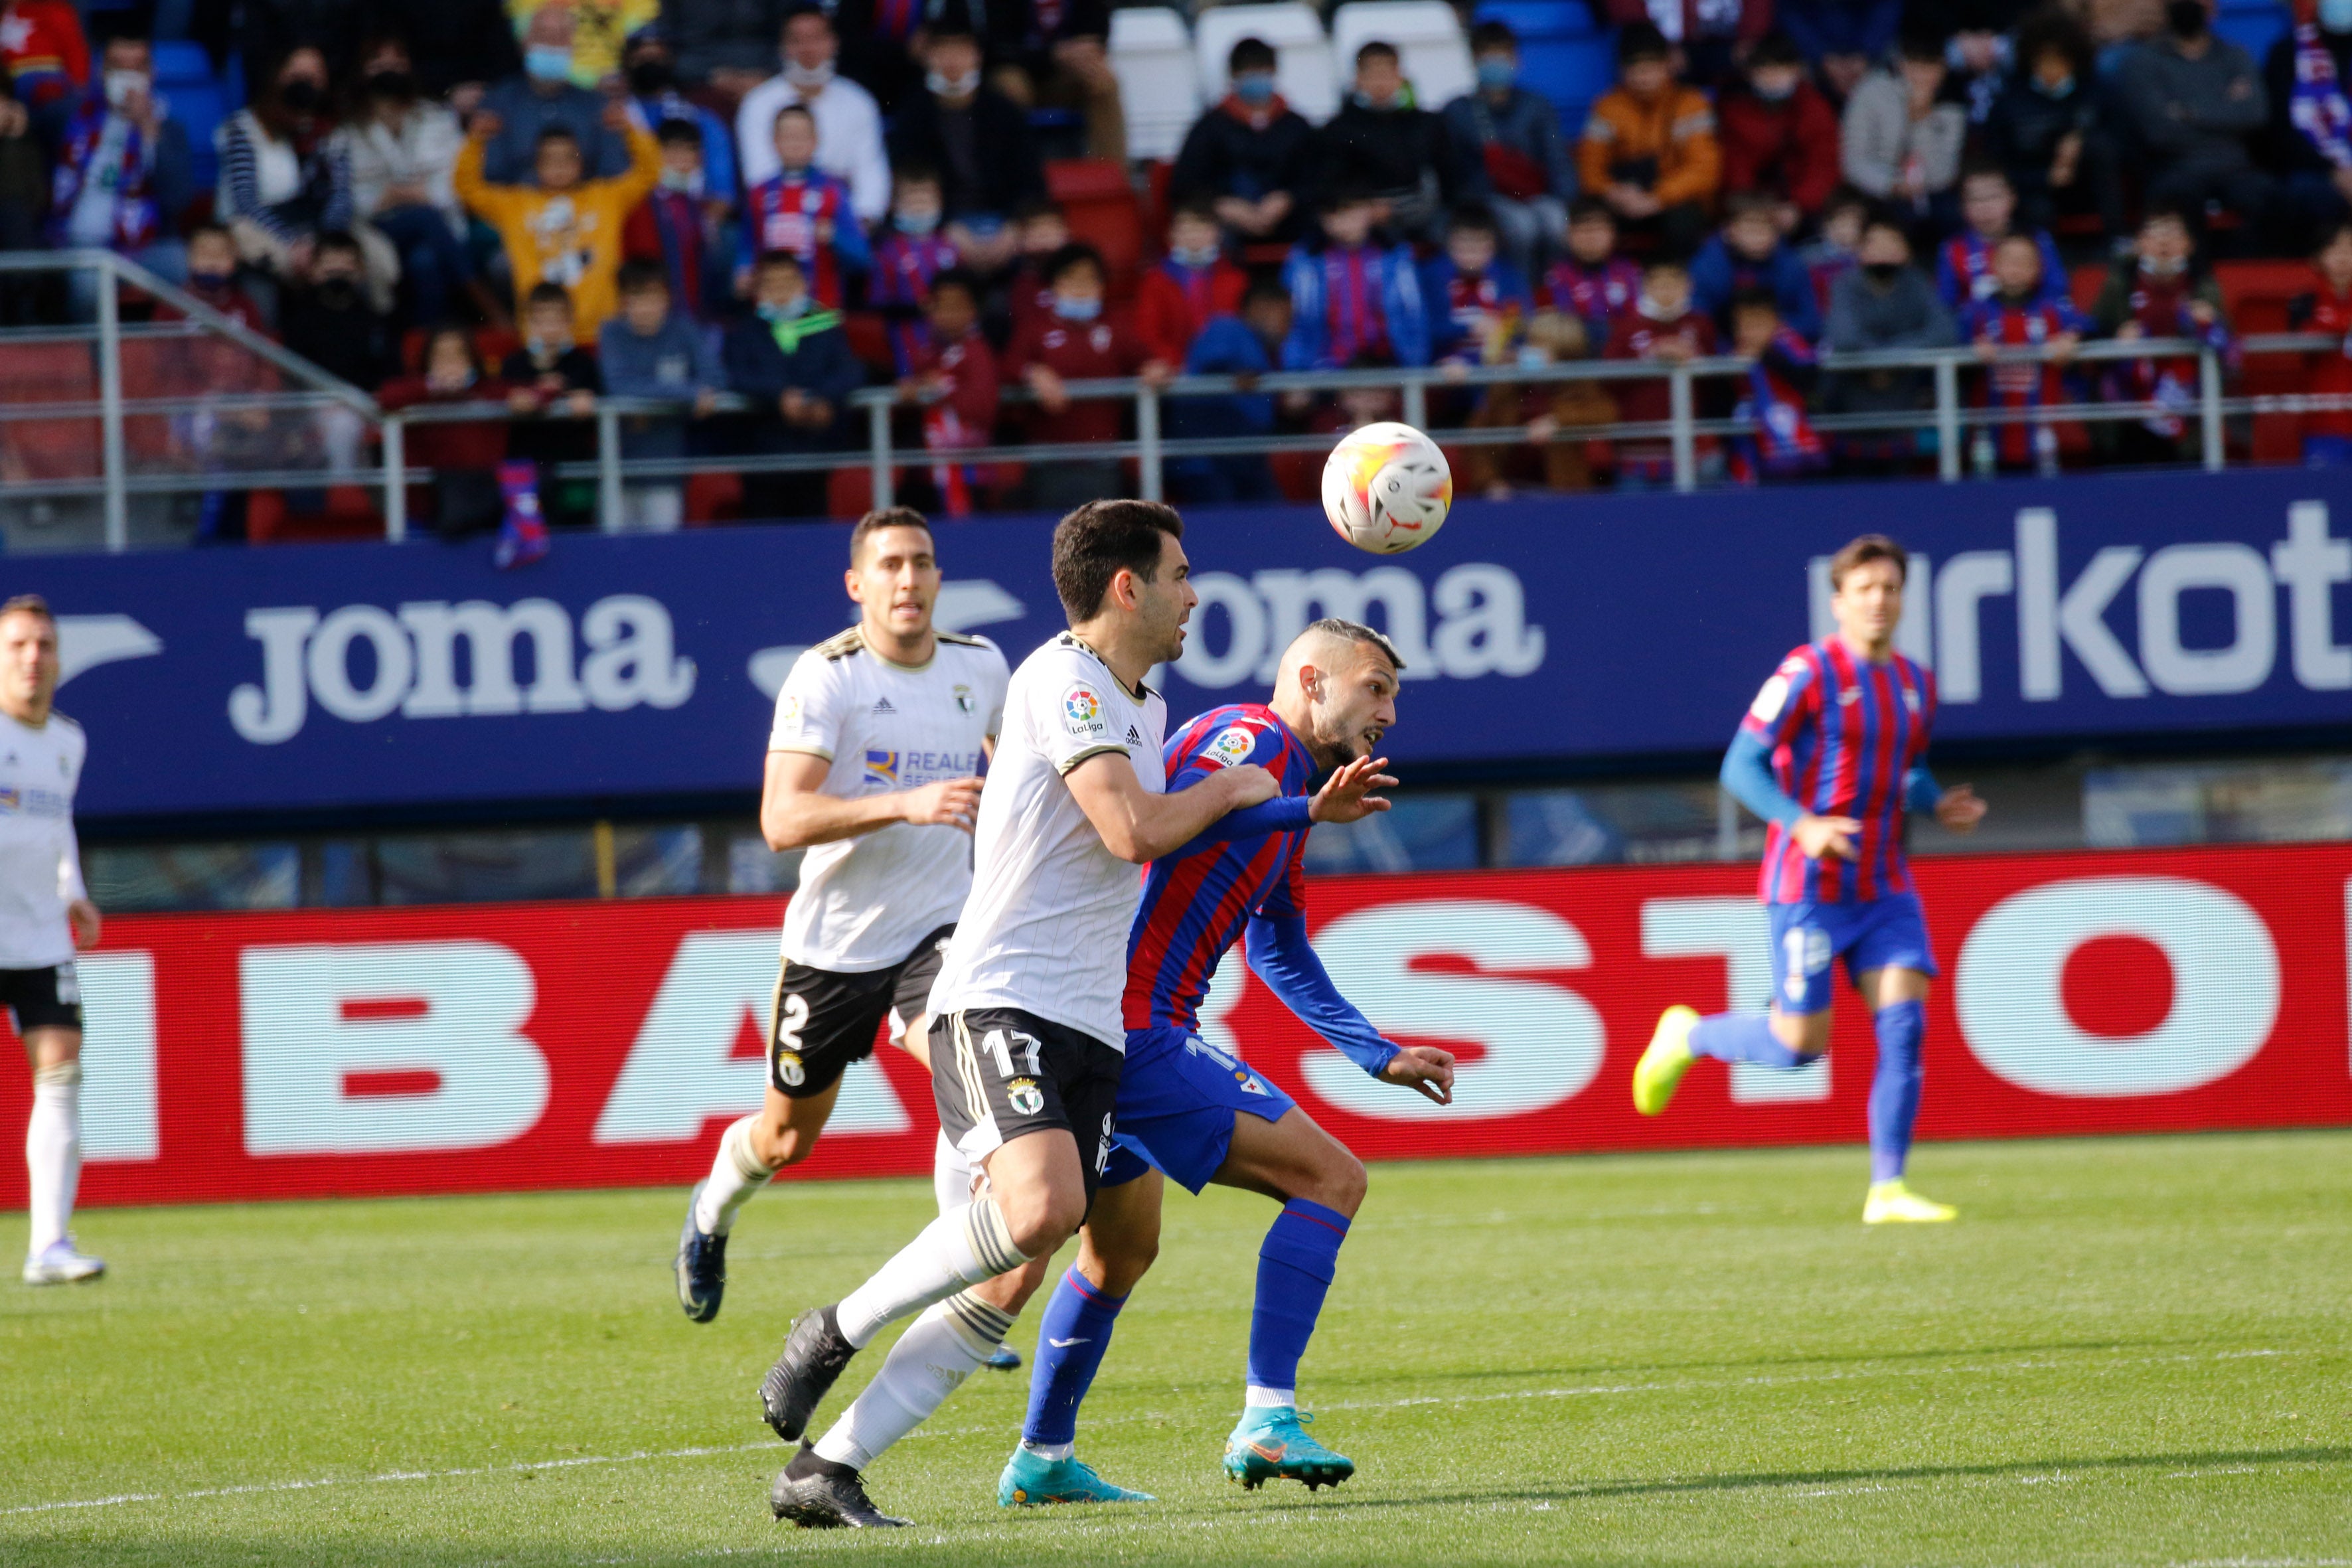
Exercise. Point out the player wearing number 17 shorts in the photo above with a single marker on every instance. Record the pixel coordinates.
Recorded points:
(1830, 756)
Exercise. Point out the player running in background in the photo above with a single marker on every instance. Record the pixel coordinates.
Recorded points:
(45, 915)
(1190, 1109)
(1028, 1034)
(873, 768)
(1829, 755)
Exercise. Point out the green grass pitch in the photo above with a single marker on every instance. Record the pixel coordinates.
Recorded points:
(2126, 1351)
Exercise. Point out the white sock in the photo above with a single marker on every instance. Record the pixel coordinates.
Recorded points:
(734, 1176)
(950, 1175)
(53, 1153)
(1257, 1398)
(931, 1361)
(954, 1250)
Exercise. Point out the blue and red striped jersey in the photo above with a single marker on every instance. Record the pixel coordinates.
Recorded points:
(1196, 900)
(1842, 733)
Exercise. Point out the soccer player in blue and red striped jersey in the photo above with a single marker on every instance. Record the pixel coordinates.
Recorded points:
(1830, 756)
(1190, 1109)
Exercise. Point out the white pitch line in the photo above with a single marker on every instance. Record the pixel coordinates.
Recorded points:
(1588, 1391)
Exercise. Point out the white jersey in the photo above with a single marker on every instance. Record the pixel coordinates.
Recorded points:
(864, 902)
(40, 863)
(1046, 927)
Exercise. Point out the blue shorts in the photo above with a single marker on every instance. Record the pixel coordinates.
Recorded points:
(1807, 939)
(1178, 1096)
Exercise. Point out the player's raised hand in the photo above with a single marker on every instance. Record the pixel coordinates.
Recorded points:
(1825, 835)
(1424, 1068)
(1347, 795)
(1960, 809)
(951, 802)
(1248, 785)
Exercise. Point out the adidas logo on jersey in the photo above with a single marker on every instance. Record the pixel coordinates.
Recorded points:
(1133, 737)
(884, 707)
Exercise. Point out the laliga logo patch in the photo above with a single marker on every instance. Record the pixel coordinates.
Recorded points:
(791, 717)
(1082, 712)
(1026, 1098)
(1767, 706)
(789, 1070)
(1232, 746)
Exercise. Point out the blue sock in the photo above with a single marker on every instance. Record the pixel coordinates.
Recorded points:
(1294, 1271)
(1895, 1088)
(1742, 1037)
(1071, 1338)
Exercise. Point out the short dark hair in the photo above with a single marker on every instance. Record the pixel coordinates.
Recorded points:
(546, 293)
(911, 173)
(880, 518)
(797, 12)
(557, 131)
(1376, 50)
(1754, 299)
(340, 241)
(1984, 169)
(1850, 196)
(639, 274)
(1346, 194)
(1749, 203)
(1775, 48)
(780, 258)
(1922, 43)
(28, 604)
(2329, 233)
(1070, 257)
(209, 226)
(1488, 36)
(1102, 539)
(1477, 219)
(1357, 632)
(1862, 552)
(1875, 215)
(1250, 54)
(2169, 212)
(800, 108)
(1642, 41)
(950, 31)
(1584, 209)
(963, 277)
(1199, 205)
(679, 133)
(1267, 288)
(1031, 208)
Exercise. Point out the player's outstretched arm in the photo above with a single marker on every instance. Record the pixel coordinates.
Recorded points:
(1138, 826)
(795, 815)
(1281, 955)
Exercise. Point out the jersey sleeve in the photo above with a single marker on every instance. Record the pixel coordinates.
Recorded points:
(810, 708)
(1066, 712)
(1202, 748)
(1787, 695)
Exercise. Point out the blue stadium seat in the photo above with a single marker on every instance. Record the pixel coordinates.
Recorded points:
(179, 62)
(199, 107)
(1571, 72)
(1541, 19)
(2252, 24)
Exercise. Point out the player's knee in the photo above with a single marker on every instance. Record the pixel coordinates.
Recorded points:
(776, 1142)
(1041, 1217)
(1126, 1260)
(1338, 1182)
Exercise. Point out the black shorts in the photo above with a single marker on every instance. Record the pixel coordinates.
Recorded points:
(42, 998)
(823, 1021)
(999, 1072)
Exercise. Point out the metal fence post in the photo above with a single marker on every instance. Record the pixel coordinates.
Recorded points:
(395, 479)
(1948, 420)
(608, 468)
(2208, 394)
(1416, 401)
(1685, 439)
(877, 427)
(109, 383)
(1147, 436)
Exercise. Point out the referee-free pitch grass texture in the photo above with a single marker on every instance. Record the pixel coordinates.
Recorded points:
(2126, 1351)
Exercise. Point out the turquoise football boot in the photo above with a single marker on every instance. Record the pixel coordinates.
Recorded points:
(1032, 1481)
(1271, 1444)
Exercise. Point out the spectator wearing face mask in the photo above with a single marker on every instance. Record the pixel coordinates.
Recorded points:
(403, 150)
(329, 322)
(683, 228)
(544, 95)
(122, 175)
(1248, 153)
(286, 179)
(459, 48)
(1649, 148)
(599, 31)
(908, 257)
(1882, 302)
(979, 142)
(1780, 135)
(2310, 139)
(1513, 135)
(1382, 141)
(793, 361)
(2046, 132)
(653, 89)
(1191, 283)
(1075, 343)
(848, 121)
(2195, 103)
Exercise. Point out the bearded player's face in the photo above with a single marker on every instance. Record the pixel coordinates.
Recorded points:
(1356, 703)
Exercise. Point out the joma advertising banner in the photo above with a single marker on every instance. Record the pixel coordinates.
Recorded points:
(1598, 627)
(502, 1048)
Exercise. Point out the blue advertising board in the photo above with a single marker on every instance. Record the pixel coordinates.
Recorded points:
(1575, 630)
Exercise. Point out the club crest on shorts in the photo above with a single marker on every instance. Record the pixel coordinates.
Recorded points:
(789, 1070)
(1026, 1098)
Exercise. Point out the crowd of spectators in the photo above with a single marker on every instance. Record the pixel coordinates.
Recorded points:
(542, 203)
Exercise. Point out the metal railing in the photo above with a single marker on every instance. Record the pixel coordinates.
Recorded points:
(1680, 432)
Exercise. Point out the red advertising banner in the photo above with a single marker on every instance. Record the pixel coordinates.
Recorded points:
(508, 1047)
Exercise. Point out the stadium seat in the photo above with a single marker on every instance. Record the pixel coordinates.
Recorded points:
(849, 492)
(1303, 72)
(199, 105)
(178, 61)
(1571, 70)
(2252, 24)
(870, 339)
(2255, 294)
(1100, 204)
(713, 497)
(1541, 19)
(1159, 82)
(36, 450)
(1426, 35)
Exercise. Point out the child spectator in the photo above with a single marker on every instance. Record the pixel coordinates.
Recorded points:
(1075, 343)
(44, 51)
(1649, 149)
(1514, 134)
(1191, 283)
(681, 226)
(652, 350)
(212, 278)
(2046, 132)
(2328, 307)
(566, 230)
(1882, 301)
(848, 121)
(1382, 141)
(906, 260)
(1478, 305)
(1350, 296)
(1780, 135)
(1244, 345)
(1039, 234)
(1663, 327)
(466, 457)
(331, 323)
(2019, 313)
(2159, 295)
(792, 358)
(1901, 143)
(806, 211)
(1593, 282)
(1832, 254)
(1784, 444)
(1248, 154)
(953, 381)
(1749, 252)
(1964, 266)
(121, 174)
(550, 374)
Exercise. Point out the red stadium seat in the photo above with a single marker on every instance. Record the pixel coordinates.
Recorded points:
(869, 339)
(2256, 295)
(713, 497)
(849, 493)
(1100, 204)
(35, 449)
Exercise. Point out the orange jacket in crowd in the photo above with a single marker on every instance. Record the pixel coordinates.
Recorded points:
(1672, 134)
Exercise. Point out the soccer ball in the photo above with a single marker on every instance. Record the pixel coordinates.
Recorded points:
(1386, 488)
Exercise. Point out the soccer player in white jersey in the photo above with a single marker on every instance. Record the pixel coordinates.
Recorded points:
(1028, 1040)
(45, 915)
(874, 768)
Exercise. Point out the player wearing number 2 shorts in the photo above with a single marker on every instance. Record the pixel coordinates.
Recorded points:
(874, 769)
(1830, 756)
